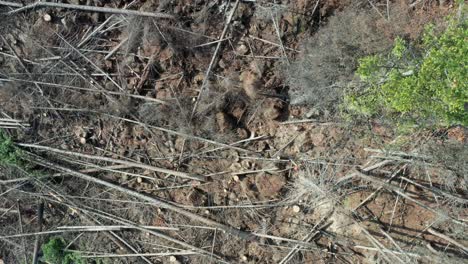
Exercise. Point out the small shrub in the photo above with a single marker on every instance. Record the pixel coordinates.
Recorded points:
(422, 84)
(54, 252)
(9, 153)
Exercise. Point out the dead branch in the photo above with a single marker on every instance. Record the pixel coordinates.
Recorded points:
(41, 4)
(401, 192)
(387, 250)
(101, 26)
(93, 228)
(40, 217)
(275, 23)
(399, 153)
(86, 213)
(22, 179)
(447, 238)
(122, 162)
(5, 211)
(89, 61)
(161, 254)
(62, 86)
(394, 175)
(20, 222)
(312, 234)
(436, 191)
(155, 201)
(143, 229)
(169, 131)
(5, 3)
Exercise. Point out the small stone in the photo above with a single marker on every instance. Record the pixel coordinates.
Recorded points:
(166, 54)
(64, 22)
(242, 49)
(295, 111)
(199, 78)
(313, 113)
(242, 133)
(235, 167)
(318, 139)
(251, 83)
(222, 64)
(271, 113)
(232, 196)
(47, 17)
(296, 209)
(224, 122)
(173, 259)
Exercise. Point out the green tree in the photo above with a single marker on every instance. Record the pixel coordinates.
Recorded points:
(425, 83)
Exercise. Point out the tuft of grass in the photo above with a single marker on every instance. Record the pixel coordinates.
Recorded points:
(54, 252)
(315, 185)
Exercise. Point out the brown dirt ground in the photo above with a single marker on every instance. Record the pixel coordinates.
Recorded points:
(251, 190)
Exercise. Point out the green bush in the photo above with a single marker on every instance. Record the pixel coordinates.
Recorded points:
(54, 252)
(426, 83)
(9, 153)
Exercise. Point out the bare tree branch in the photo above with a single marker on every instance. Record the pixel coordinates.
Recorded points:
(41, 4)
